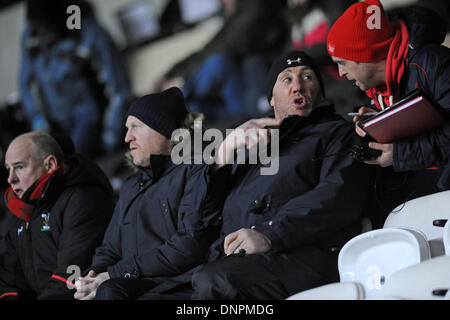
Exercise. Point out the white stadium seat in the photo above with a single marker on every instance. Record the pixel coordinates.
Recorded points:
(332, 291)
(413, 237)
(370, 258)
(446, 237)
(429, 280)
(427, 214)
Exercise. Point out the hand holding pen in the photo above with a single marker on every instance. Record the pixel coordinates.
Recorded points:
(362, 114)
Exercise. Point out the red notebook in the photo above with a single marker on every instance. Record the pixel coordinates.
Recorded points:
(410, 116)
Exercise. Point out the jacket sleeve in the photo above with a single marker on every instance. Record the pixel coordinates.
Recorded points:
(337, 201)
(85, 217)
(198, 225)
(110, 251)
(432, 148)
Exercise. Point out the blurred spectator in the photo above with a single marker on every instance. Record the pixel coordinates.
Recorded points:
(227, 76)
(72, 80)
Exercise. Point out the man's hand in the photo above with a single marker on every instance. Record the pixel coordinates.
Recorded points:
(246, 239)
(247, 134)
(386, 158)
(361, 117)
(87, 286)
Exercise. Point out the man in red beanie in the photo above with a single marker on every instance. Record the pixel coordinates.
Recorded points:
(388, 60)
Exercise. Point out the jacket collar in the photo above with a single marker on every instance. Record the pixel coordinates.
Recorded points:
(160, 165)
(322, 112)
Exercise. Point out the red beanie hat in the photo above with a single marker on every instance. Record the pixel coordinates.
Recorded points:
(363, 33)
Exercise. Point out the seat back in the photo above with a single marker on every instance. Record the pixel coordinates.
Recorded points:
(426, 214)
(446, 238)
(332, 291)
(429, 280)
(370, 258)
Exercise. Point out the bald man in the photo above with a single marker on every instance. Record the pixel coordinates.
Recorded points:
(60, 209)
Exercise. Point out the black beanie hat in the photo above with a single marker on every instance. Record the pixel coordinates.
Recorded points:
(164, 111)
(288, 60)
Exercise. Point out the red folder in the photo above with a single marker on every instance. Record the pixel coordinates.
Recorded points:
(410, 116)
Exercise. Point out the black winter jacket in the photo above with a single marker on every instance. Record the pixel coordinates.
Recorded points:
(316, 199)
(163, 223)
(78, 205)
(427, 67)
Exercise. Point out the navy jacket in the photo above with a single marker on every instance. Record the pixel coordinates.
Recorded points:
(427, 67)
(163, 223)
(316, 200)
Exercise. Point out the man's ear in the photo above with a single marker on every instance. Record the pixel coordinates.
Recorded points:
(50, 163)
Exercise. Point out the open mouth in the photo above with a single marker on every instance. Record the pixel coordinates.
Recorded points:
(299, 102)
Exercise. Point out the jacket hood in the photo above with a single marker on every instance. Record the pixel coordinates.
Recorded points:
(159, 166)
(83, 171)
(424, 25)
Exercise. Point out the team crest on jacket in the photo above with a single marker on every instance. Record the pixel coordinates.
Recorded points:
(45, 220)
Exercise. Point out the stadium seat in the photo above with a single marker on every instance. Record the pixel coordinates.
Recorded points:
(429, 280)
(446, 237)
(370, 258)
(427, 214)
(332, 291)
(413, 232)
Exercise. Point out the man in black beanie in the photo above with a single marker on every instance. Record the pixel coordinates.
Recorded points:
(166, 216)
(281, 233)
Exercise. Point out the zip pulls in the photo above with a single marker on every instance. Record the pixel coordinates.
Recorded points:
(381, 101)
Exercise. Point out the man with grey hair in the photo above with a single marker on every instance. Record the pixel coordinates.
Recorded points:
(167, 214)
(60, 206)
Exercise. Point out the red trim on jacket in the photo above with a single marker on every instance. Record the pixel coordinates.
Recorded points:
(9, 294)
(54, 276)
(421, 68)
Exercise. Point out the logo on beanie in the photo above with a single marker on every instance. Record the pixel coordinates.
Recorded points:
(331, 47)
(298, 60)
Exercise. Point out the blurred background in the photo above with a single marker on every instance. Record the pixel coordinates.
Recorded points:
(78, 83)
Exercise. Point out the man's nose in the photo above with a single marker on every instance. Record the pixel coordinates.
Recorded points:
(342, 71)
(12, 177)
(128, 137)
(297, 85)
